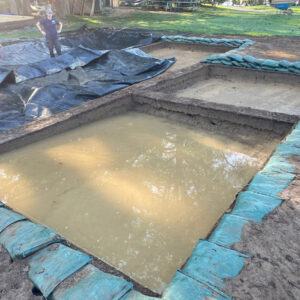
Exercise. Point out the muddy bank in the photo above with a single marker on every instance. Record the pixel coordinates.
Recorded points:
(273, 271)
(14, 281)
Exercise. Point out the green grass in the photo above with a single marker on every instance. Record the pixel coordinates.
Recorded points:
(295, 9)
(206, 21)
(210, 21)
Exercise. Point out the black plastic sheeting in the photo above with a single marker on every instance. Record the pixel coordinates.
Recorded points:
(16, 53)
(87, 70)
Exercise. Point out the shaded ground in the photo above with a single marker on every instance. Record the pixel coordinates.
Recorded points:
(273, 271)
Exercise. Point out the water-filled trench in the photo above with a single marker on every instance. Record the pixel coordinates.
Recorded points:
(134, 190)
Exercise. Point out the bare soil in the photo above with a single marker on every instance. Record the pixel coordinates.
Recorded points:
(257, 95)
(14, 280)
(273, 270)
(276, 48)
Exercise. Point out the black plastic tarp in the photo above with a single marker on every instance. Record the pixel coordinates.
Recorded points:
(53, 85)
(77, 57)
(28, 51)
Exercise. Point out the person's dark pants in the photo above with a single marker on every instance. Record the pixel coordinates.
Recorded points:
(51, 44)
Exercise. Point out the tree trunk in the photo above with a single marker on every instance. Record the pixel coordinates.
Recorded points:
(62, 7)
(101, 6)
(20, 7)
(13, 7)
(82, 8)
(93, 8)
(24, 8)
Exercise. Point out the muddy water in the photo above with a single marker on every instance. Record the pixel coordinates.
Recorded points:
(134, 190)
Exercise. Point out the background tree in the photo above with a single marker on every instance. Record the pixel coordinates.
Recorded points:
(20, 7)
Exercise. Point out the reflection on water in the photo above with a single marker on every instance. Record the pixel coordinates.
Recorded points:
(134, 190)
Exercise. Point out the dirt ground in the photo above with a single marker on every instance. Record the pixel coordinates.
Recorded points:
(14, 281)
(277, 48)
(184, 58)
(273, 271)
(241, 93)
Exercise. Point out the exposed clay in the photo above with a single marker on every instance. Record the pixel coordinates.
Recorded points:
(273, 271)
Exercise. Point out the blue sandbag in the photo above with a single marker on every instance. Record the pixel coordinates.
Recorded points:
(212, 264)
(214, 57)
(94, 285)
(253, 206)
(270, 183)
(225, 62)
(293, 139)
(24, 238)
(270, 63)
(294, 70)
(223, 57)
(281, 70)
(249, 59)
(259, 61)
(8, 217)
(235, 63)
(134, 295)
(51, 266)
(297, 65)
(257, 67)
(286, 150)
(278, 163)
(228, 231)
(236, 57)
(183, 287)
(297, 127)
(284, 63)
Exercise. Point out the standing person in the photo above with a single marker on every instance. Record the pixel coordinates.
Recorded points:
(50, 31)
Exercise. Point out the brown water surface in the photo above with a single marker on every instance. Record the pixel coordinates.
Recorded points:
(134, 190)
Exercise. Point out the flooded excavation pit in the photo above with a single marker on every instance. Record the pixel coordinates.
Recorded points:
(186, 54)
(136, 191)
